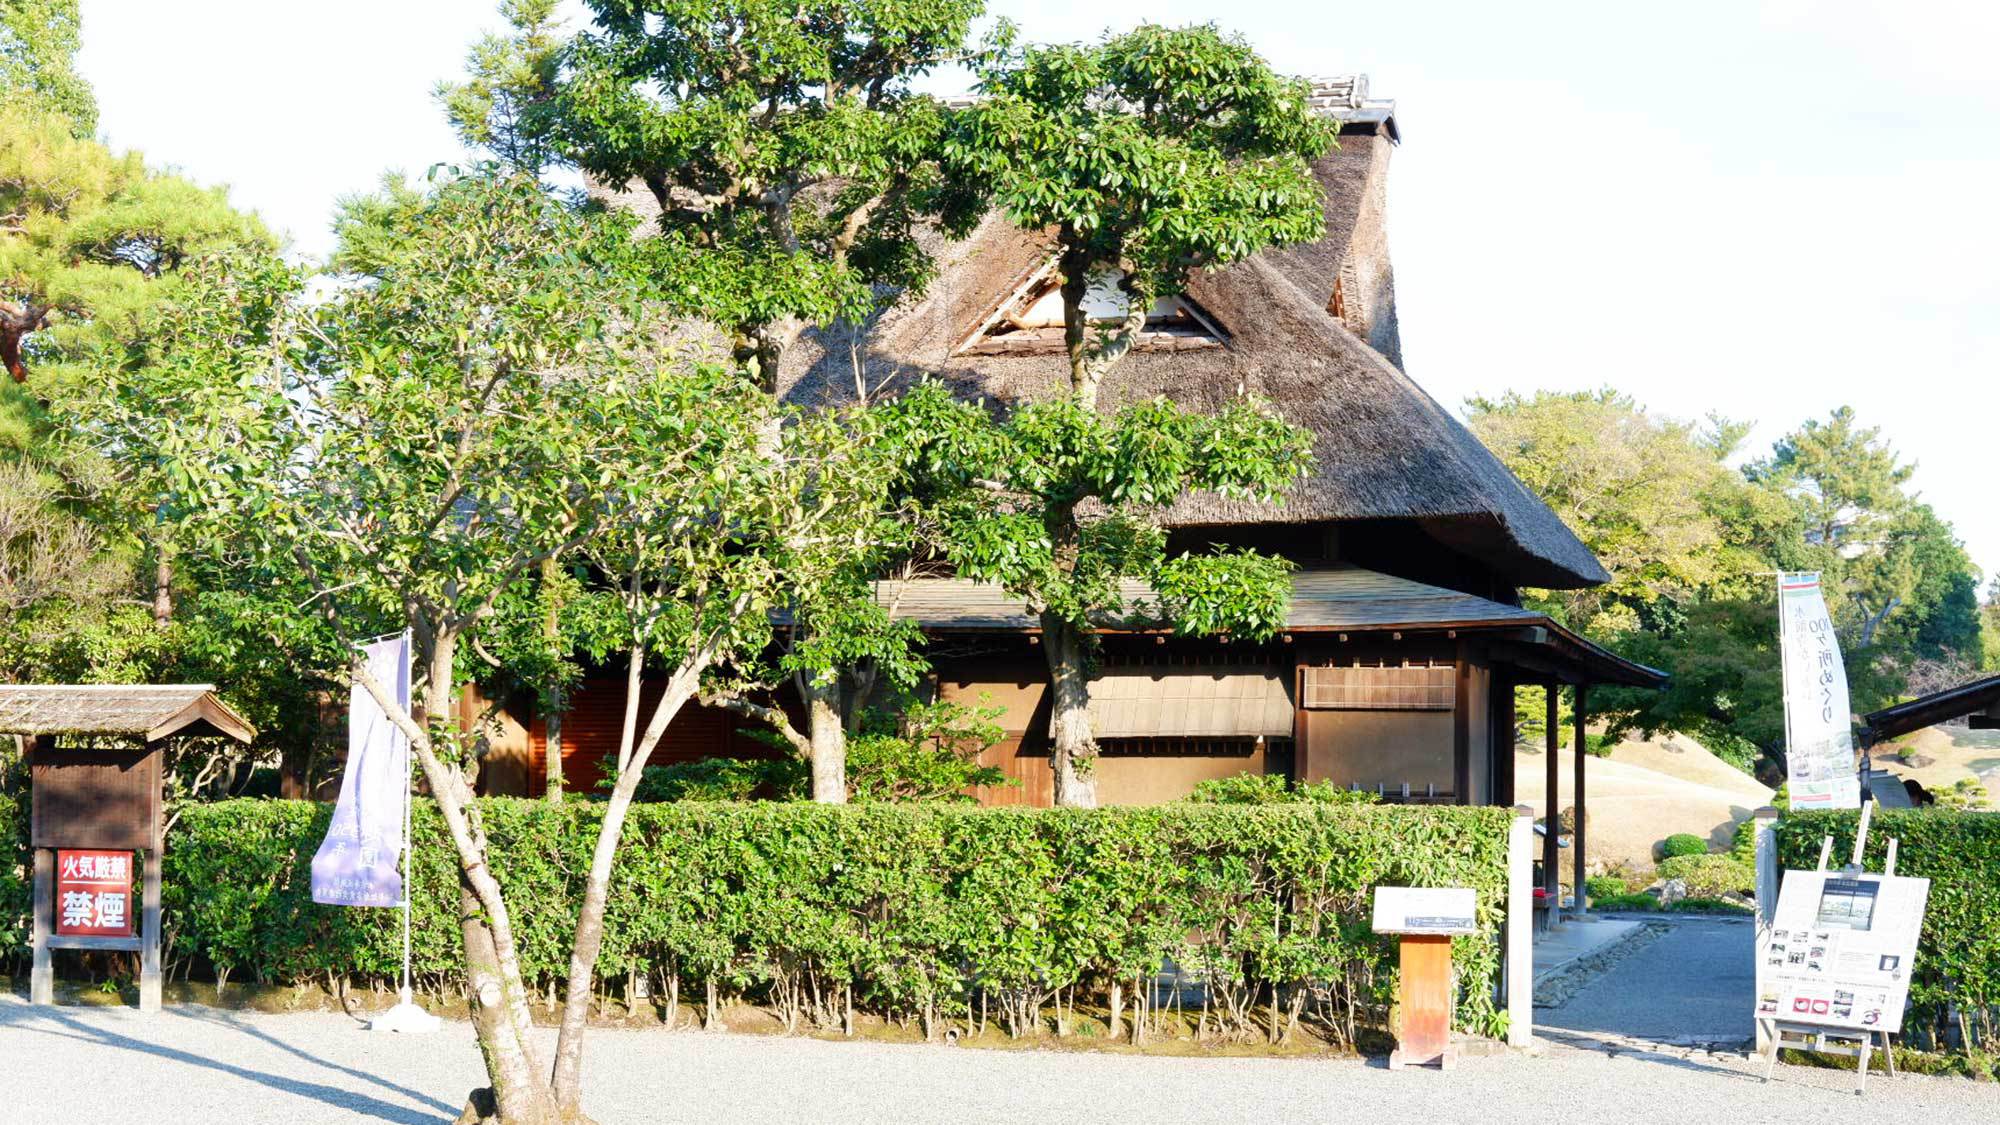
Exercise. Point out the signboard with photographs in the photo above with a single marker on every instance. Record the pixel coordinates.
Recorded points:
(1839, 950)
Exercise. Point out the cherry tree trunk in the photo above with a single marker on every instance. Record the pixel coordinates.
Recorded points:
(1072, 748)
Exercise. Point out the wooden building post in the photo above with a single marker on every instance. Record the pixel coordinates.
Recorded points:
(1576, 842)
(149, 932)
(1461, 728)
(42, 978)
(1551, 840)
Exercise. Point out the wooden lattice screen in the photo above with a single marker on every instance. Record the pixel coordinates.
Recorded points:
(1352, 688)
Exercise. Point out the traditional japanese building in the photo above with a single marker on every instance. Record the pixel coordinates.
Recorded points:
(1405, 636)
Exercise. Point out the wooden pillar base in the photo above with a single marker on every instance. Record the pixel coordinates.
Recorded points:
(42, 978)
(1423, 1037)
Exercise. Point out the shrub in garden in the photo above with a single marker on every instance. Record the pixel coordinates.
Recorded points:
(925, 912)
(1709, 876)
(1605, 886)
(1273, 789)
(1682, 843)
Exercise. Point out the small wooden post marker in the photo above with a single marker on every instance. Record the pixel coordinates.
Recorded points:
(1426, 918)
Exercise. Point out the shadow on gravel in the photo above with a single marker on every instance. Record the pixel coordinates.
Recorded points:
(26, 1019)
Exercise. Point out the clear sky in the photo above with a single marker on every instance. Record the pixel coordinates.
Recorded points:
(1764, 209)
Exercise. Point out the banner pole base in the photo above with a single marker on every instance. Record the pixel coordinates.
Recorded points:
(406, 1016)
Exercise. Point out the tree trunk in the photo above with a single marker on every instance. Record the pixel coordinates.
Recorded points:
(597, 886)
(518, 1094)
(829, 739)
(163, 588)
(1072, 749)
(552, 769)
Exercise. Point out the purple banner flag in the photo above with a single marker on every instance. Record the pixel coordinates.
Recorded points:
(356, 863)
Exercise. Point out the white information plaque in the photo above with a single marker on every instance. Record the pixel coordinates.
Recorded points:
(1426, 910)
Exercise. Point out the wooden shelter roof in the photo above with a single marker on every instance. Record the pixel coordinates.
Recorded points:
(144, 711)
(1343, 599)
(1978, 700)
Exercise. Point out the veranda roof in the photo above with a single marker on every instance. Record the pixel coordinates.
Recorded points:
(1344, 599)
(1978, 700)
(144, 711)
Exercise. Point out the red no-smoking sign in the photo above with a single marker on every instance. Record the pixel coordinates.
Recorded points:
(94, 893)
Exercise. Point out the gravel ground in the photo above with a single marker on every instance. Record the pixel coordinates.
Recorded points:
(1695, 982)
(194, 1064)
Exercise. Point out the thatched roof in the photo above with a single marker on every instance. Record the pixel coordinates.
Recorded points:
(143, 711)
(1385, 449)
(1338, 600)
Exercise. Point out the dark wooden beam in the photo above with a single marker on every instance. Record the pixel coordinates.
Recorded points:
(1461, 727)
(1551, 850)
(1576, 843)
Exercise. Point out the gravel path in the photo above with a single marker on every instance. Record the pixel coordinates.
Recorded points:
(194, 1064)
(1694, 982)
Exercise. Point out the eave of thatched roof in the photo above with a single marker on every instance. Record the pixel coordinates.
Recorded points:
(148, 712)
(1337, 600)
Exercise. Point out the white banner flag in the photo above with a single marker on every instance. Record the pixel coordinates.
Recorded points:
(356, 864)
(1819, 736)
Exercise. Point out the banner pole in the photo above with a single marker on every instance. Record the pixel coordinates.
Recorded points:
(409, 798)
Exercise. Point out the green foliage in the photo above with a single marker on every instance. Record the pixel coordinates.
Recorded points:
(1683, 843)
(1017, 484)
(1159, 151)
(721, 779)
(1965, 793)
(789, 157)
(1603, 887)
(1690, 543)
(1955, 983)
(38, 45)
(1710, 876)
(921, 907)
(1273, 789)
(928, 752)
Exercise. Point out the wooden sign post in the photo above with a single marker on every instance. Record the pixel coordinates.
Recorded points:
(96, 816)
(1426, 919)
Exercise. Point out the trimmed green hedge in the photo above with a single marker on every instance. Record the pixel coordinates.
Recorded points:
(924, 911)
(1955, 989)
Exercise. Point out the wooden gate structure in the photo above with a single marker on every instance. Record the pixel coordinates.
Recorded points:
(95, 755)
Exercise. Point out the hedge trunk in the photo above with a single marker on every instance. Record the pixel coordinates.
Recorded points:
(1072, 749)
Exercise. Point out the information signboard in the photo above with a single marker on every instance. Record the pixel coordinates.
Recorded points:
(1426, 910)
(94, 894)
(1839, 950)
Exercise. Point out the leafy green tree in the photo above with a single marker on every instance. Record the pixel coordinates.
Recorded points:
(1989, 628)
(414, 447)
(781, 137)
(1058, 504)
(38, 44)
(792, 165)
(1149, 156)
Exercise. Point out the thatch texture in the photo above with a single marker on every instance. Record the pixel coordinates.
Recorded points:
(148, 712)
(1313, 329)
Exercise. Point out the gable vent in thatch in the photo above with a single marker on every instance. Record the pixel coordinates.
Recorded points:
(1028, 320)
